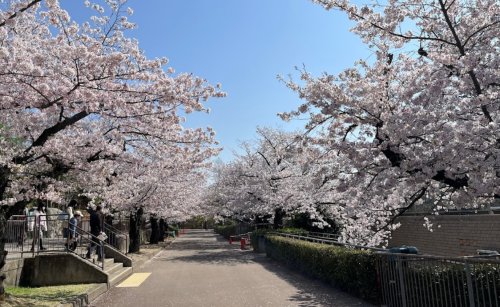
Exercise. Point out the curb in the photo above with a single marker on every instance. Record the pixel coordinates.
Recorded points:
(141, 262)
(93, 293)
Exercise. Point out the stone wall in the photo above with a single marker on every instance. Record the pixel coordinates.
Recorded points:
(452, 235)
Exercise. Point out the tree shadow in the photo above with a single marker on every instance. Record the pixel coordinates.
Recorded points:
(226, 257)
(204, 248)
(203, 240)
(310, 291)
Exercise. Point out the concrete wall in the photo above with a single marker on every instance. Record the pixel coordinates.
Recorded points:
(13, 270)
(61, 269)
(458, 235)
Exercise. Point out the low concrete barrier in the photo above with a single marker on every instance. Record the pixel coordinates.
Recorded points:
(63, 269)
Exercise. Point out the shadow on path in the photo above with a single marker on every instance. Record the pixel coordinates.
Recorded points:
(209, 249)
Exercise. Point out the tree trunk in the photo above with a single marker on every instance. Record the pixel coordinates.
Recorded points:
(135, 230)
(279, 214)
(155, 230)
(4, 179)
(5, 213)
(3, 228)
(163, 228)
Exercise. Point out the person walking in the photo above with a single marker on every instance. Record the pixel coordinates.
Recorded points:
(96, 227)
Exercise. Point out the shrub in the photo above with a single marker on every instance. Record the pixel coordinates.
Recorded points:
(255, 235)
(351, 270)
(294, 231)
(225, 230)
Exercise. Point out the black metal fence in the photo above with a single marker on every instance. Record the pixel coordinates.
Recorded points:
(16, 235)
(35, 234)
(421, 280)
(326, 240)
(117, 238)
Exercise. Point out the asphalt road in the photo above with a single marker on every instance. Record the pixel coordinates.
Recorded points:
(202, 269)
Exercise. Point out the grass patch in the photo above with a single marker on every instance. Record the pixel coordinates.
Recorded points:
(43, 296)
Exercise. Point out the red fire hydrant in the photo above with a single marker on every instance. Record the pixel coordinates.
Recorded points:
(242, 243)
(230, 240)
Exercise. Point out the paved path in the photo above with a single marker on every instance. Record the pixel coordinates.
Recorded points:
(201, 269)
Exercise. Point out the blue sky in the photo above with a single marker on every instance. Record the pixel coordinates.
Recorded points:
(244, 45)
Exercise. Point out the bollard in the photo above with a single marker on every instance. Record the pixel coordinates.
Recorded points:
(230, 240)
(242, 243)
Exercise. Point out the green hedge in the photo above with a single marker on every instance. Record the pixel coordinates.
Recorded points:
(225, 230)
(255, 235)
(294, 231)
(351, 270)
(259, 233)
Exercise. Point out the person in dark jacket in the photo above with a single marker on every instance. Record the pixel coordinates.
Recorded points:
(96, 226)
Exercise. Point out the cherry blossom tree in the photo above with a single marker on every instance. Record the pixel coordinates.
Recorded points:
(275, 179)
(418, 122)
(83, 108)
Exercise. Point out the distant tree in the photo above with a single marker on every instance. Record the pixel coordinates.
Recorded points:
(275, 179)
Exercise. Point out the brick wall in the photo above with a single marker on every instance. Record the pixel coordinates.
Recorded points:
(458, 235)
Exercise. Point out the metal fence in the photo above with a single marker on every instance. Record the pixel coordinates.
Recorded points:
(16, 235)
(421, 280)
(326, 235)
(117, 238)
(31, 235)
(327, 240)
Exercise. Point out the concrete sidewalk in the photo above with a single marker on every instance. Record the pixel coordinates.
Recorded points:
(201, 269)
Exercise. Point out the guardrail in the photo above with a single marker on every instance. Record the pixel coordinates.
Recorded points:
(327, 241)
(116, 238)
(327, 235)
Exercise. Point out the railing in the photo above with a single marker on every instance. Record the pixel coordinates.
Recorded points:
(326, 241)
(421, 280)
(88, 247)
(31, 235)
(117, 238)
(47, 232)
(326, 235)
(16, 235)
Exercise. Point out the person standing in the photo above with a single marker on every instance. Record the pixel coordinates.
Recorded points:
(73, 233)
(96, 227)
(40, 225)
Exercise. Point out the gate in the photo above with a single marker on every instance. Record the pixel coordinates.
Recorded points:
(421, 280)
